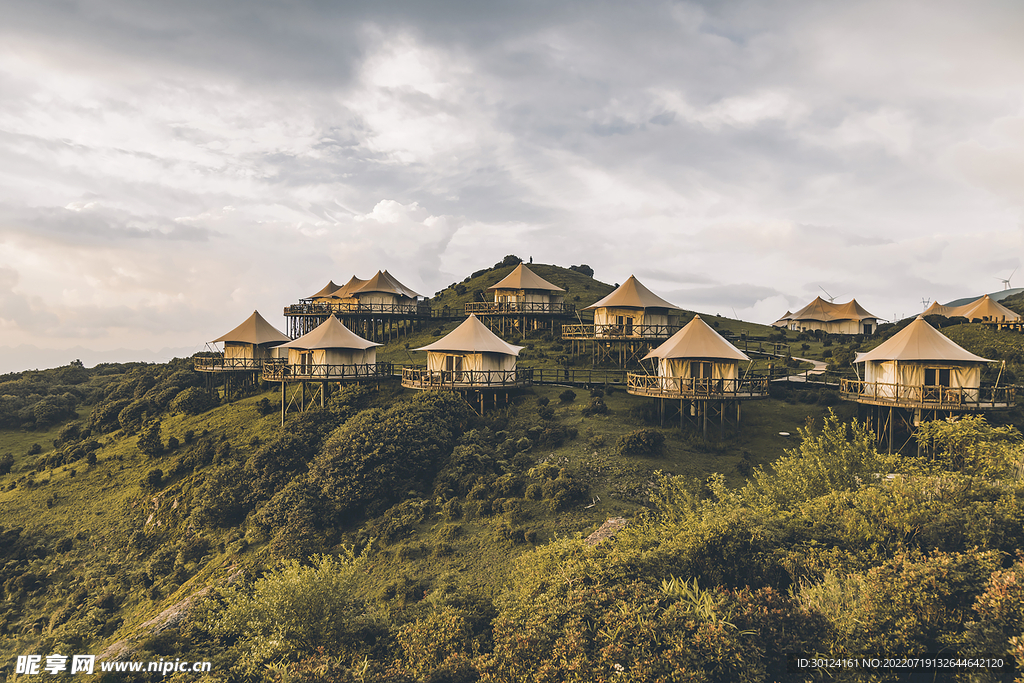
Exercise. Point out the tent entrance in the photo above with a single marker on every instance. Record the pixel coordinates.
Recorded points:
(453, 368)
(935, 379)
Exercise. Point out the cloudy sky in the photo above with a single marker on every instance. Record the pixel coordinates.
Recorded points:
(165, 168)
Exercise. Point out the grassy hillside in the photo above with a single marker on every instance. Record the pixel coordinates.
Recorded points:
(105, 545)
(456, 538)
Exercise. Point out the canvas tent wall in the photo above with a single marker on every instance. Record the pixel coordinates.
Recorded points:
(632, 305)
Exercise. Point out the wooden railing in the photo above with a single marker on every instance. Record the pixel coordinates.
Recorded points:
(217, 363)
(419, 309)
(519, 307)
(583, 377)
(656, 386)
(917, 396)
(619, 331)
(420, 378)
(279, 371)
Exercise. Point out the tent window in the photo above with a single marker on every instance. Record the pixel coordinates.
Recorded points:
(936, 377)
(700, 369)
(867, 328)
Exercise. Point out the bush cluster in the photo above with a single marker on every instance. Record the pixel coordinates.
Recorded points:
(640, 442)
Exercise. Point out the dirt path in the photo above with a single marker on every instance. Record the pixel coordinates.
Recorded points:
(819, 369)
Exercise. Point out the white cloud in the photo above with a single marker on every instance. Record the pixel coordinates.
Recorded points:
(163, 174)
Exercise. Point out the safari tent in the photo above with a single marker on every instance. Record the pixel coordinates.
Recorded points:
(384, 292)
(696, 353)
(833, 318)
(920, 364)
(329, 345)
(984, 308)
(473, 348)
(253, 340)
(633, 310)
(524, 289)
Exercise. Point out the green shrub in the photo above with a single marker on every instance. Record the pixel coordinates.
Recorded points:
(567, 396)
(192, 401)
(998, 628)
(131, 416)
(640, 442)
(555, 435)
(153, 478)
(265, 407)
(296, 609)
(835, 459)
(149, 439)
(596, 406)
(379, 455)
(451, 509)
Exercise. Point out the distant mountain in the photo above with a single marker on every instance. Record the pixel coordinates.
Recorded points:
(998, 296)
(29, 357)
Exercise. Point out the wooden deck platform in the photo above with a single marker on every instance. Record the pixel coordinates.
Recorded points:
(217, 363)
(953, 399)
(654, 386)
(618, 332)
(528, 308)
(475, 380)
(279, 371)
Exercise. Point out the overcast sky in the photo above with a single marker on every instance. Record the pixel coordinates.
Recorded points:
(166, 168)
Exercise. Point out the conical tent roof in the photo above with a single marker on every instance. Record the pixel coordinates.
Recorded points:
(826, 311)
(919, 341)
(938, 309)
(632, 294)
(987, 307)
(345, 291)
(472, 336)
(982, 307)
(330, 334)
(384, 281)
(697, 340)
(524, 278)
(255, 330)
(329, 289)
(781, 322)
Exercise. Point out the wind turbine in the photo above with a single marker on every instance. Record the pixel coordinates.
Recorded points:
(831, 299)
(1006, 282)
